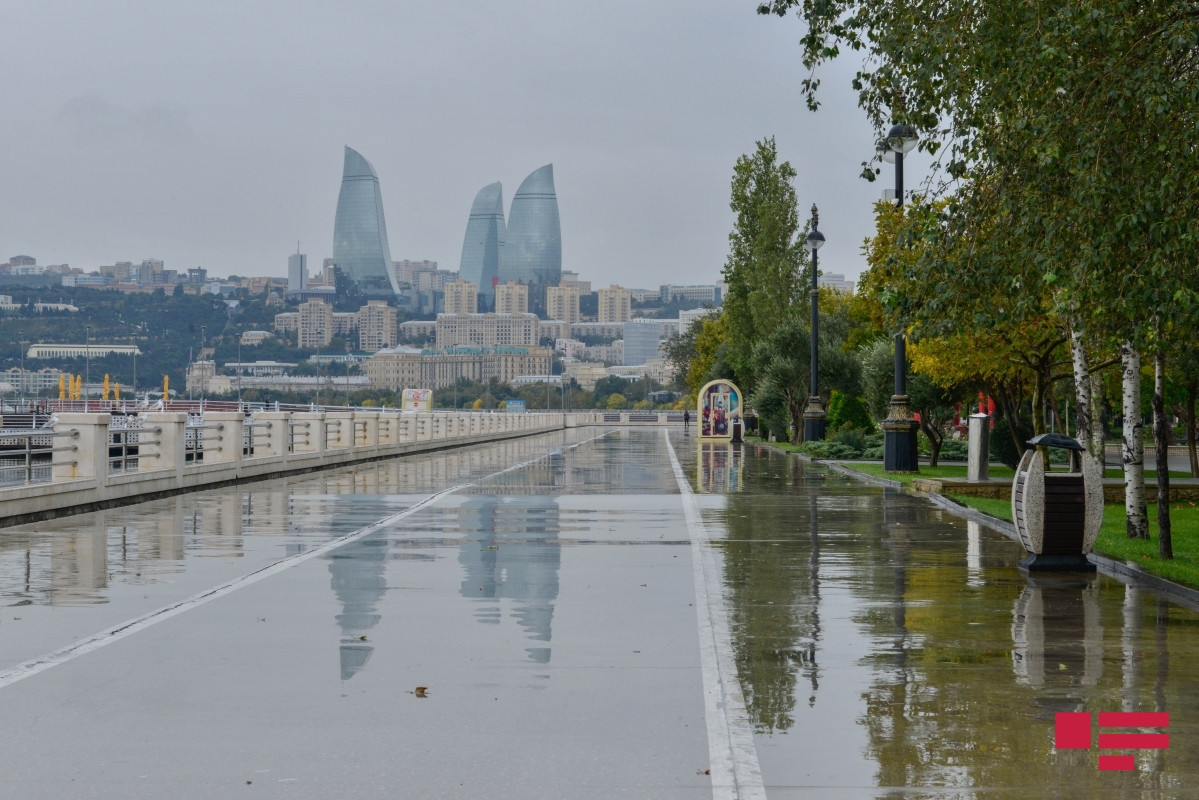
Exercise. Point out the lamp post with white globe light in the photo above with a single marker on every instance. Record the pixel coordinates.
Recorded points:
(899, 428)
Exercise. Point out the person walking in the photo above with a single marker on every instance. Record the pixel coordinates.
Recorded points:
(686, 420)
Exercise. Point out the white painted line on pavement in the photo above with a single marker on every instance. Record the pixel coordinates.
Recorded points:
(128, 628)
(736, 774)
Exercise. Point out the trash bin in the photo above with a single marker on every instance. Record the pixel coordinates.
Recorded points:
(1057, 514)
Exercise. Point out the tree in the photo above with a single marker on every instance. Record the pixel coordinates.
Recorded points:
(765, 257)
(1030, 125)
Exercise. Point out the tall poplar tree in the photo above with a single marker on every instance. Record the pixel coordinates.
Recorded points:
(765, 256)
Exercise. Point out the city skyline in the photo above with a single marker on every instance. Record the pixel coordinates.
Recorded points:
(202, 138)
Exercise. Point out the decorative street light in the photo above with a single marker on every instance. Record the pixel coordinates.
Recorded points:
(813, 415)
(899, 428)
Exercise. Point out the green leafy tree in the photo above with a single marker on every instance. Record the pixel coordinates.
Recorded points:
(765, 257)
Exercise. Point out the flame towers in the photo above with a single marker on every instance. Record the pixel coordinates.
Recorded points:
(532, 252)
(484, 240)
(360, 247)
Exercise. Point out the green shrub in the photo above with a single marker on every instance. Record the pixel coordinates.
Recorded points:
(955, 450)
(817, 449)
(876, 453)
(851, 438)
(848, 411)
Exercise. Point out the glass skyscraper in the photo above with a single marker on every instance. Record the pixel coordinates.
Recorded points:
(484, 241)
(532, 252)
(359, 231)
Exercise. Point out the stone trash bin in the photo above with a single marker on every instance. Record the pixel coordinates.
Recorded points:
(1058, 514)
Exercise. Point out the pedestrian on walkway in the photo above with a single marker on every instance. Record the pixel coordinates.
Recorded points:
(686, 420)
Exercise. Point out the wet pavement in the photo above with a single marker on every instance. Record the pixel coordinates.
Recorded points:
(567, 623)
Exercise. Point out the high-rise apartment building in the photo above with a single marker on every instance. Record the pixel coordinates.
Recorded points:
(615, 304)
(360, 247)
(562, 302)
(512, 298)
(461, 297)
(314, 324)
(484, 240)
(377, 327)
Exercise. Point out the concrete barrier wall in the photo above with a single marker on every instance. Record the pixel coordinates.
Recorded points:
(177, 452)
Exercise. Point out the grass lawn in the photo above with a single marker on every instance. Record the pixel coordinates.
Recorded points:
(1184, 536)
(946, 471)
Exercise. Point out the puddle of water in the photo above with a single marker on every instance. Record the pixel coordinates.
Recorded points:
(883, 647)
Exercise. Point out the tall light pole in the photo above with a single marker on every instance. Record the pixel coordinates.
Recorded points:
(239, 373)
(813, 415)
(899, 428)
(21, 344)
(87, 365)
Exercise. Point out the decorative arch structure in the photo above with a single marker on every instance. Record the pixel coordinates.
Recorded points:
(718, 410)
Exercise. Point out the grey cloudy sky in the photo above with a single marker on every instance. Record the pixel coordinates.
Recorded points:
(210, 134)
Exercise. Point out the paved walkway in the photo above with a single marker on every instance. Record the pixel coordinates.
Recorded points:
(582, 614)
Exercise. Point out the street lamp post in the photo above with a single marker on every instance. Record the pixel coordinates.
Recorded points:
(87, 365)
(21, 344)
(899, 428)
(813, 415)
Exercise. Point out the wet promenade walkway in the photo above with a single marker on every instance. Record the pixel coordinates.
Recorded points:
(584, 614)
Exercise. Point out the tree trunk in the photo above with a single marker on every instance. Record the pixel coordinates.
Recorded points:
(1192, 451)
(1132, 446)
(1090, 433)
(935, 440)
(1161, 443)
(796, 411)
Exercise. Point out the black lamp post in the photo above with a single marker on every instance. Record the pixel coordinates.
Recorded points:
(899, 428)
(813, 415)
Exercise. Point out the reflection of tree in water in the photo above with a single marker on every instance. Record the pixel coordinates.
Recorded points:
(773, 594)
(357, 572)
(512, 552)
(964, 697)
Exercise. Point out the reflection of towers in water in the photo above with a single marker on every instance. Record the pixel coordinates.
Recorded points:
(512, 553)
(1057, 634)
(357, 574)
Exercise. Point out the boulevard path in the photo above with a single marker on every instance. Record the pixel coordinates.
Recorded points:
(585, 614)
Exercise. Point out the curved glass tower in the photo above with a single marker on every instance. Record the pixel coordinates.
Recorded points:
(359, 232)
(484, 240)
(532, 252)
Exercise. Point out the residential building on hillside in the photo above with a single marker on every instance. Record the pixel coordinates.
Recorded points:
(615, 304)
(377, 327)
(562, 302)
(461, 297)
(409, 367)
(699, 293)
(511, 298)
(314, 325)
(488, 330)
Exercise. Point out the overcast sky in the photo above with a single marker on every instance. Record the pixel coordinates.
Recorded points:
(210, 134)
